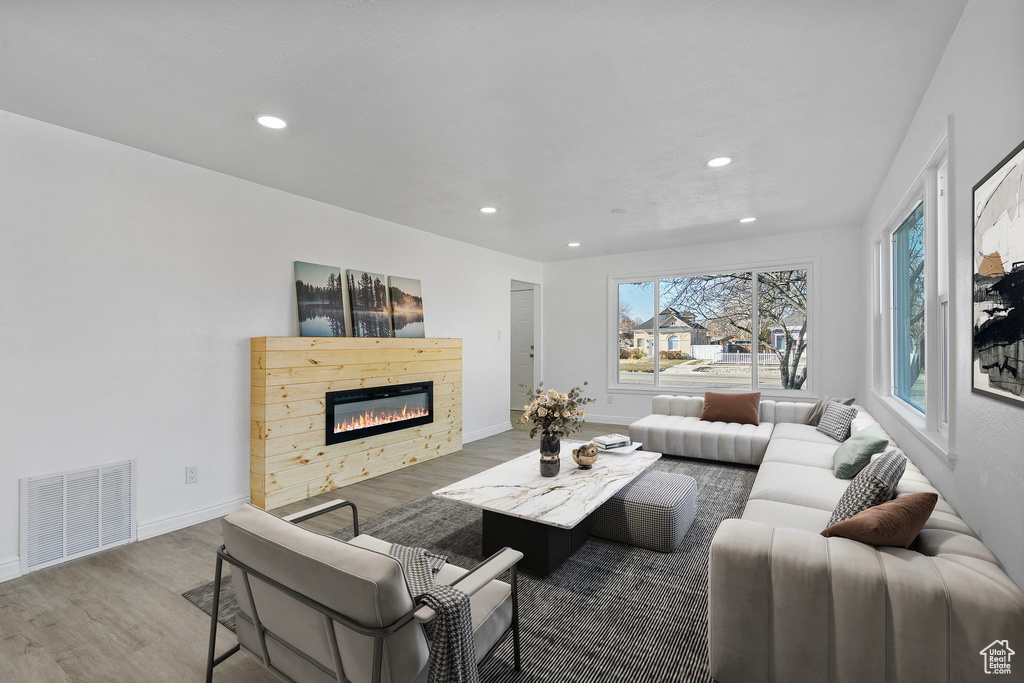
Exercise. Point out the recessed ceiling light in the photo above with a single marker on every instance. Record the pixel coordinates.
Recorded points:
(488, 209)
(574, 244)
(718, 161)
(751, 219)
(618, 211)
(271, 122)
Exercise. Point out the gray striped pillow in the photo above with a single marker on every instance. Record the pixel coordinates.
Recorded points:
(836, 421)
(872, 486)
(814, 417)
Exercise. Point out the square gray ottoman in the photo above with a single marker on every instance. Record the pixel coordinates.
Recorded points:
(653, 511)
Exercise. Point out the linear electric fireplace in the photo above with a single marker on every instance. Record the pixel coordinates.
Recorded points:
(359, 413)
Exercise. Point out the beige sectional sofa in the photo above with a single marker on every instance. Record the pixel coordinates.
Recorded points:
(786, 604)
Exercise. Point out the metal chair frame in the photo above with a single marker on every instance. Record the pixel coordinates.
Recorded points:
(330, 616)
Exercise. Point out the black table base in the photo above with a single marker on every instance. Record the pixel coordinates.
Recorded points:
(544, 547)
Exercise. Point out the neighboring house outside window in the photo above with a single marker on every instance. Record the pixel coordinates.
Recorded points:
(682, 326)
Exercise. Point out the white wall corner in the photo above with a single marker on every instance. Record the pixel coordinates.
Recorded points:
(485, 432)
(164, 525)
(10, 568)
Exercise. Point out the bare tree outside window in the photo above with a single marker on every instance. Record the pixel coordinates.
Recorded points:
(782, 323)
(703, 331)
(723, 303)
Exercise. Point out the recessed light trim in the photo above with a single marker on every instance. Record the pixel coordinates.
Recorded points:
(488, 209)
(574, 244)
(749, 219)
(274, 122)
(718, 162)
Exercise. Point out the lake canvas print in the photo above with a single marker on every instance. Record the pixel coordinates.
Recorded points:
(999, 280)
(320, 296)
(368, 296)
(406, 306)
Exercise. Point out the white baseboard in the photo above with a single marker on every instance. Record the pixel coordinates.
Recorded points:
(170, 523)
(10, 568)
(487, 431)
(611, 419)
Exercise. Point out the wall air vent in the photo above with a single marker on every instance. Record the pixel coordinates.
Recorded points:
(70, 514)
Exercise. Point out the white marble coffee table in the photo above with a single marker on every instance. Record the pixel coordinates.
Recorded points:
(546, 518)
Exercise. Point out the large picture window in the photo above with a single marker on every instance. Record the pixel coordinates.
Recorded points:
(739, 330)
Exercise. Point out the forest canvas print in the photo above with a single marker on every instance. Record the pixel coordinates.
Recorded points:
(999, 280)
(319, 292)
(368, 297)
(406, 306)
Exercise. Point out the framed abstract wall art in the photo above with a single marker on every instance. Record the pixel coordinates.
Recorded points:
(998, 305)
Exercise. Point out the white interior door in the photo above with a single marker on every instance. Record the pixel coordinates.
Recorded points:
(522, 347)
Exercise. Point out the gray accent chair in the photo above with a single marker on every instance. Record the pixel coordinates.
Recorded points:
(314, 609)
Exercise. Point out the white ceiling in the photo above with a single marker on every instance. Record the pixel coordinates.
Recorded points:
(421, 111)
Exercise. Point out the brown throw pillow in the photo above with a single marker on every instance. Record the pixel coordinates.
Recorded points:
(722, 407)
(896, 522)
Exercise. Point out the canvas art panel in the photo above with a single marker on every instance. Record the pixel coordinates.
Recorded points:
(406, 306)
(998, 202)
(368, 297)
(319, 293)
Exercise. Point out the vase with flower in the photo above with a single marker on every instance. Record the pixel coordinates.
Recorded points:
(554, 415)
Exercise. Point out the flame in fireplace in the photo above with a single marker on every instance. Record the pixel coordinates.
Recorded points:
(374, 417)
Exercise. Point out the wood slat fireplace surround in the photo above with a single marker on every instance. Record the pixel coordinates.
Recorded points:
(291, 376)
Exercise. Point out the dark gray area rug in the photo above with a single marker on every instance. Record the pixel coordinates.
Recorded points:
(612, 612)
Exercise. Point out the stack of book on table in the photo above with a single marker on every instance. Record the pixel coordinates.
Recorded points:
(615, 443)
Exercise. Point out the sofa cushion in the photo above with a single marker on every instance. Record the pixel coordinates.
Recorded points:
(814, 416)
(836, 421)
(801, 432)
(784, 411)
(813, 487)
(729, 407)
(854, 453)
(776, 514)
(694, 438)
(683, 406)
(895, 522)
(804, 453)
(874, 485)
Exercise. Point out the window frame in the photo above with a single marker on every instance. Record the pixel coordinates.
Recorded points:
(810, 390)
(931, 187)
(918, 200)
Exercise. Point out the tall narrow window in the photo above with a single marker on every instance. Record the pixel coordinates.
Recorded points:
(908, 309)
(782, 329)
(637, 328)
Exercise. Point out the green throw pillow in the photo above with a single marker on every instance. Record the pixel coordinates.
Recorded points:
(854, 453)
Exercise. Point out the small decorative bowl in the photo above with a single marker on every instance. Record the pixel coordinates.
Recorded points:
(585, 456)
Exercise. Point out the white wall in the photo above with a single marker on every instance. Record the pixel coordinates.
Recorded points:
(576, 325)
(130, 285)
(978, 89)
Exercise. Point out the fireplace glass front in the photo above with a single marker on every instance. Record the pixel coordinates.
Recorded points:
(359, 413)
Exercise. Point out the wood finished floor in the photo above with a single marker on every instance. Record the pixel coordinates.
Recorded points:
(119, 615)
